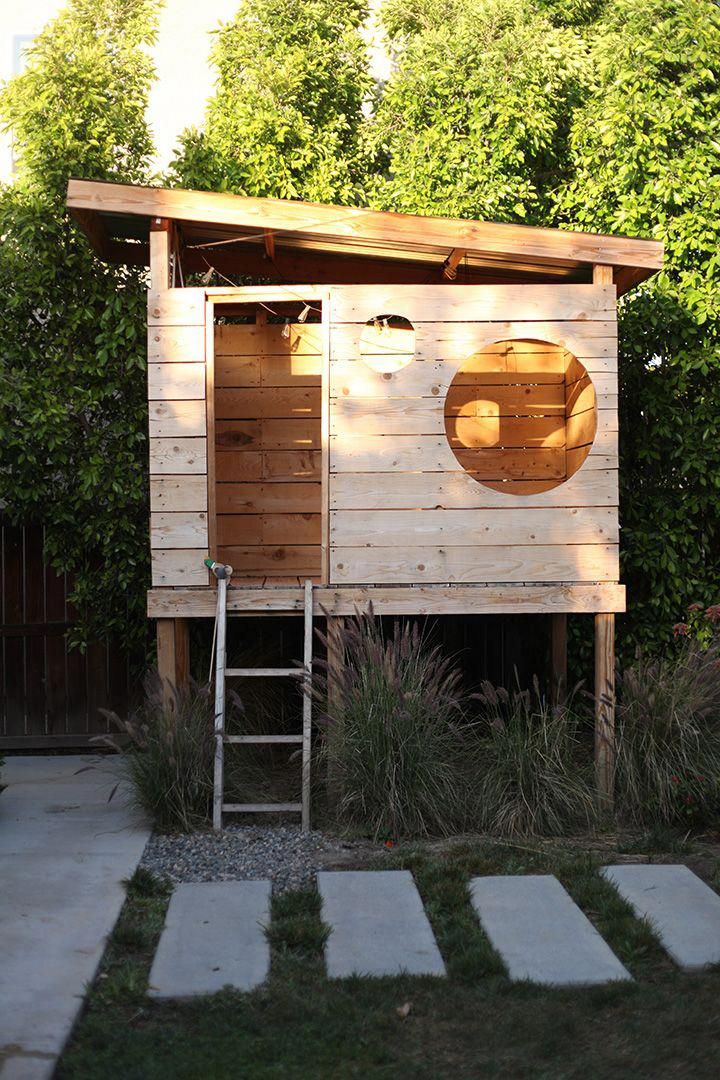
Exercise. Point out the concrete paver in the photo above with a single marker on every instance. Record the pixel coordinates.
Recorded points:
(64, 853)
(683, 910)
(540, 932)
(213, 937)
(378, 925)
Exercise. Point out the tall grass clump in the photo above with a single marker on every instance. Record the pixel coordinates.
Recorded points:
(395, 736)
(535, 778)
(168, 747)
(668, 737)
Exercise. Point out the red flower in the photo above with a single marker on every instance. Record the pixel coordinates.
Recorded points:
(389, 843)
(695, 607)
(680, 629)
(713, 613)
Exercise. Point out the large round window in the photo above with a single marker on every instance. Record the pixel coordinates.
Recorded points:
(521, 416)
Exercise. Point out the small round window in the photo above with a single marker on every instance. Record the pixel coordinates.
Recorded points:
(387, 343)
(521, 416)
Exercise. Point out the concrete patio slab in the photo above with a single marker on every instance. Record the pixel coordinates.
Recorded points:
(683, 910)
(213, 938)
(64, 853)
(378, 925)
(541, 933)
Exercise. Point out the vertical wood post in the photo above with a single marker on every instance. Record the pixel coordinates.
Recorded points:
(605, 708)
(173, 654)
(173, 643)
(335, 660)
(558, 657)
(602, 275)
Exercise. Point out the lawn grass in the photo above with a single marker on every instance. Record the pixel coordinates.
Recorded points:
(475, 1024)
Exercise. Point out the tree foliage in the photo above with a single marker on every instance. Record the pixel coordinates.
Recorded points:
(286, 118)
(72, 360)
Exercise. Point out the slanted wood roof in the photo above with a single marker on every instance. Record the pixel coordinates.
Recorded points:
(299, 242)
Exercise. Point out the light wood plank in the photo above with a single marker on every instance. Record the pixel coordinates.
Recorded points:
(178, 493)
(459, 490)
(169, 457)
(171, 419)
(176, 307)
(184, 529)
(471, 303)
(396, 600)
(176, 344)
(457, 528)
(508, 432)
(359, 224)
(179, 567)
(176, 382)
(562, 562)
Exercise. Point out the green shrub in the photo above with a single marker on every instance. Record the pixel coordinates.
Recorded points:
(397, 744)
(534, 780)
(169, 747)
(668, 732)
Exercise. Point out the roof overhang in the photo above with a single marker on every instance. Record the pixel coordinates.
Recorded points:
(299, 242)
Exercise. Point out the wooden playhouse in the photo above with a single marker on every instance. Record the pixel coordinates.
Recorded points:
(420, 412)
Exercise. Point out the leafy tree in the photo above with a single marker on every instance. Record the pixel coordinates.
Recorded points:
(474, 120)
(645, 160)
(73, 414)
(286, 118)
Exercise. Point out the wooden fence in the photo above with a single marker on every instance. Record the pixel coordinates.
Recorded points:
(50, 695)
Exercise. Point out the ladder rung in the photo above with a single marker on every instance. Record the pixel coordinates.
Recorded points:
(262, 808)
(250, 672)
(250, 739)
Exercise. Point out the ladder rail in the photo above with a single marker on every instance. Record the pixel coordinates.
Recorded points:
(223, 673)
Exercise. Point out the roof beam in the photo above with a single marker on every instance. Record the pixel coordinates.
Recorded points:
(449, 270)
(286, 216)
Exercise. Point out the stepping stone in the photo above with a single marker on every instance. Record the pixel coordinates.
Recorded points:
(378, 924)
(213, 937)
(683, 910)
(541, 933)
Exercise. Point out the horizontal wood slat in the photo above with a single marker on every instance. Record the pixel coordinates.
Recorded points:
(256, 498)
(467, 303)
(179, 529)
(395, 600)
(175, 456)
(176, 344)
(258, 403)
(179, 567)
(176, 307)
(174, 382)
(237, 371)
(279, 529)
(178, 493)
(558, 525)
(170, 419)
(582, 562)
(276, 434)
(458, 490)
(274, 562)
(272, 466)
(258, 341)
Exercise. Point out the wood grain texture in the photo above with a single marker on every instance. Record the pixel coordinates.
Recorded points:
(171, 419)
(396, 600)
(176, 345)
(178, 493)
(170, 457)
(176, 307)
(179, 567)
(468, 303)
(176, 382)
(179, 529)
(554, 525)
(568, 563)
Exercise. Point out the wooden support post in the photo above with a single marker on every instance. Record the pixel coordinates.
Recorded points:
(558, 657)
(173, 654)
(602, 275)
(605, 708)
(335, 660)
(161, 247)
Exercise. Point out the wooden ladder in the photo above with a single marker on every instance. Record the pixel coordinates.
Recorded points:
(222, 673)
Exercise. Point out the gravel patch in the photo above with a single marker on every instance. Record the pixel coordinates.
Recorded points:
(287, 856)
